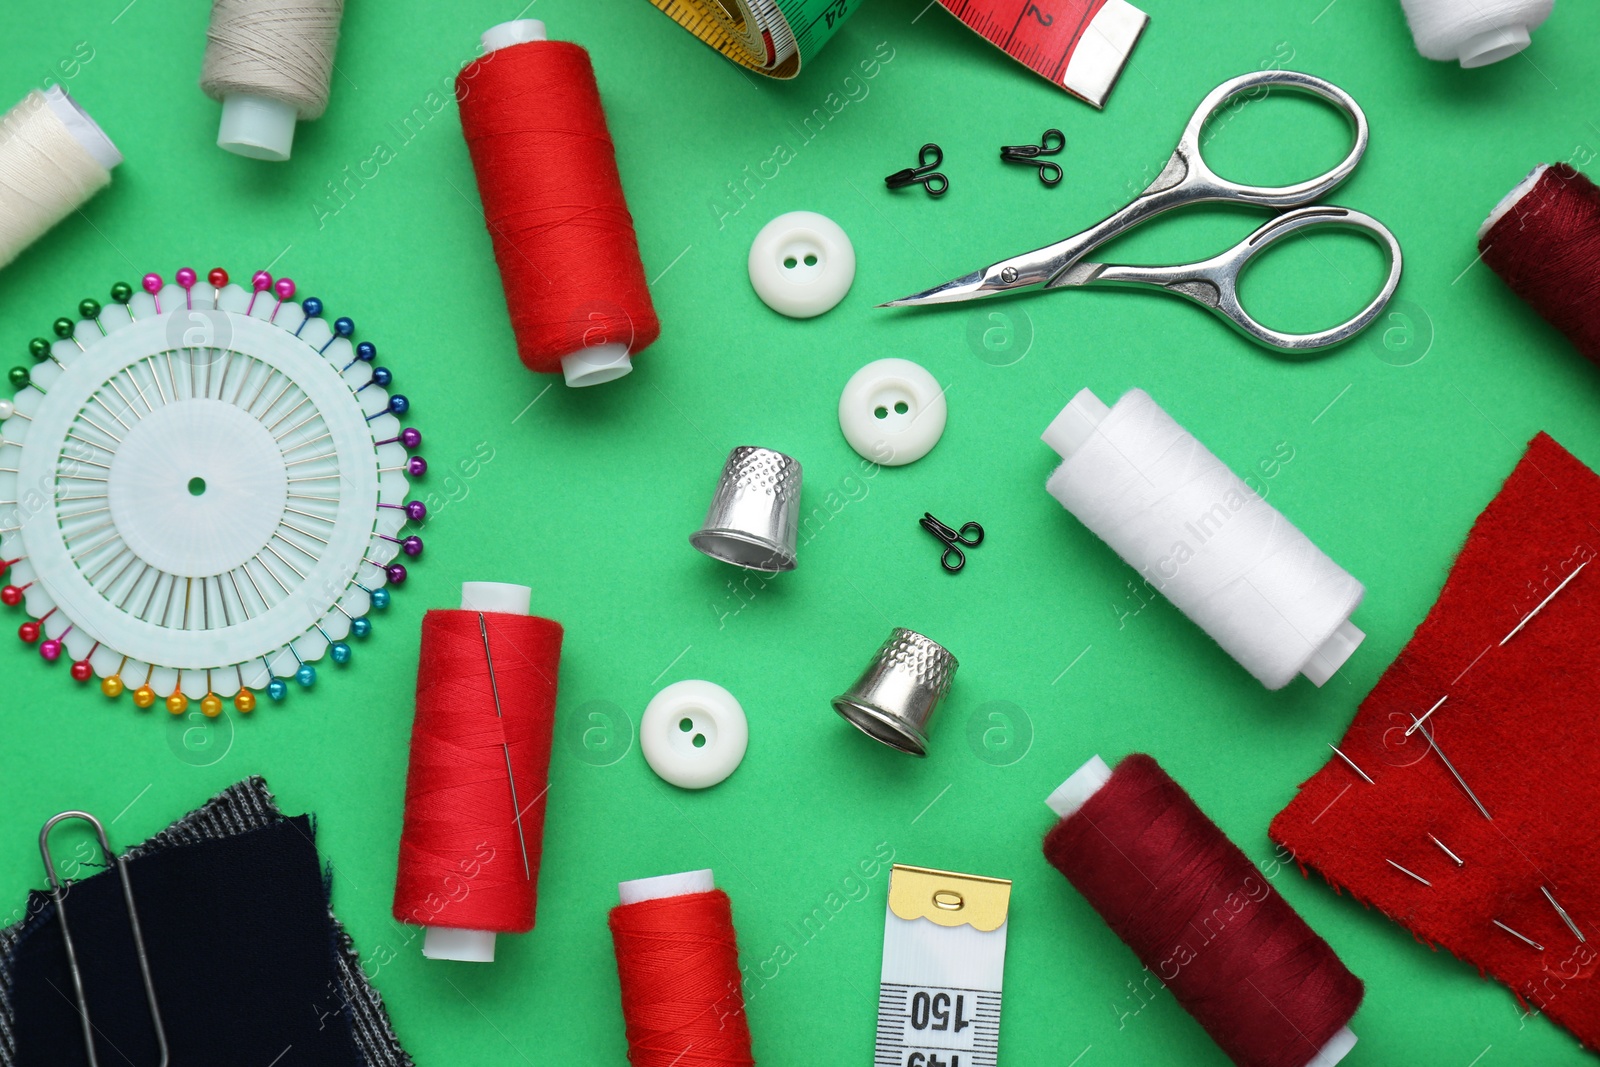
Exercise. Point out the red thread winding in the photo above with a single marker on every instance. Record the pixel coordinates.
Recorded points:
(553, 202)
(1197, 913)
(1546, 247)
(678, 964)
(460, 855)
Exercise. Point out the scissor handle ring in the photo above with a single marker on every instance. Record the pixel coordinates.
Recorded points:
(1206, 184)
(1233, 263)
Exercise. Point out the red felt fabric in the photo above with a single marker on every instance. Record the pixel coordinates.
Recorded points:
(1520, 727)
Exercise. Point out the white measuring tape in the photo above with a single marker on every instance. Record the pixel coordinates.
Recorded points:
(944, 955)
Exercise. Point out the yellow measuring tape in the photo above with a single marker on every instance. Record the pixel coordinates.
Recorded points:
(771, 37)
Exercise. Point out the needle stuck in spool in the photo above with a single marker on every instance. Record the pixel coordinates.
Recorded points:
(516, 805)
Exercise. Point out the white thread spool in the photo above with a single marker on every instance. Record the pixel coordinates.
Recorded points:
(53, 158)
(1071, 795)
(449, 942)
(270, 63)
(1225, 557)
(1476, 33)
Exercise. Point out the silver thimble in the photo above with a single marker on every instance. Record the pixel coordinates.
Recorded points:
(895, 696)
(754, 518)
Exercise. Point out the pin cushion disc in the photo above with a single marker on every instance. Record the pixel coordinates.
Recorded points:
(202, 490)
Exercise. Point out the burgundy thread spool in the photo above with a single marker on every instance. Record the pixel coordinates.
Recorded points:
(552, 199)
(1543, 239)
(1196, 912)
(479, 772)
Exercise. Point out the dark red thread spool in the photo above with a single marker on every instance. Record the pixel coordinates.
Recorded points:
(1543, 239)
(552, 199)
(479, 772)
(678, 968)
(1197, 913)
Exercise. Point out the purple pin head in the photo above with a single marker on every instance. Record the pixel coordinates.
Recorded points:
(186, 277)
(416, 466)
(152, 282)
(416, 510)
(410, 438)
(284, 288)
(412, 546)
(261, 281)
(396, 573)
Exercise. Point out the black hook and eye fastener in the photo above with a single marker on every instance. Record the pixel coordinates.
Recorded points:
(1050, 144)
(970, 535)
(923, 174)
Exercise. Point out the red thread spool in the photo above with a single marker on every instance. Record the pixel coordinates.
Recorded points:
(1196, 912)
(552, 199)
(462, 872)
(678, 966)
(1543, 239)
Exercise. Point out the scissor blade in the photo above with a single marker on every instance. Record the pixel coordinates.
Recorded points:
(968, 287)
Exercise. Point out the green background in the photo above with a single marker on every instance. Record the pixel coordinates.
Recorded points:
(1398, 441)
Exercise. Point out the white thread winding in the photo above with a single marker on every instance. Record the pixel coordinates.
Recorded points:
(1475, 33)
(270, 63)
(1225, 557)
(53, 158)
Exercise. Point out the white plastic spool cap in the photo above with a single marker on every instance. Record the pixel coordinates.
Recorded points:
(694, 734)
(801, 264)
(1078, 421)
(598, 363)
(449, 942)
(517, 31)
(666, 885)
(1492, 46)
(84, 129)
(258, 127)
(892, 412)
(1071, 795)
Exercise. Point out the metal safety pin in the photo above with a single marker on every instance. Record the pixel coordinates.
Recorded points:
(1050, 144)
(58, 897)
(923, 174)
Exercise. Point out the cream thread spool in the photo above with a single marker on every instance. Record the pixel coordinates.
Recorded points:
(269, 62)
(1476, 33)
(1191, 527)
(53, 158)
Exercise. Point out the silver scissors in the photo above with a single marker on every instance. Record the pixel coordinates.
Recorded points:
(1211, 283)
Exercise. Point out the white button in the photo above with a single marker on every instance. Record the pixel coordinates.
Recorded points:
(802, 264)
(693, 734)
(892, 411)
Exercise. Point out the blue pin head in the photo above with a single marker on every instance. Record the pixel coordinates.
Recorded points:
(344, 326)
(306, 676)
(311, 306)
(382, 376)
(380, 599)
(361, 627)
(340, 652)
(366, 351)
(277, 689)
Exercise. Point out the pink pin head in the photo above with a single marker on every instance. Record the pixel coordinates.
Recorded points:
(284, 287)
(152, 283)
(261, 281)
(187, 277)
(50, 650)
